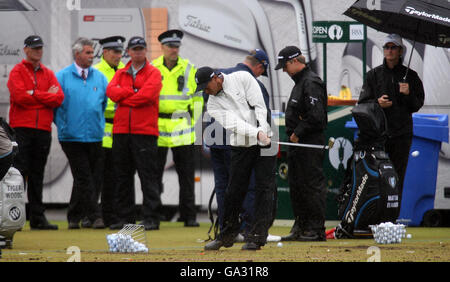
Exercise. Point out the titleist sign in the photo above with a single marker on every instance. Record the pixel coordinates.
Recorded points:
(6, 50)
(196, 23)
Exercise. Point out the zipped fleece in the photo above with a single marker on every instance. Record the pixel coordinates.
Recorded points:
(32, 111)
(81, 117)
(137, 100)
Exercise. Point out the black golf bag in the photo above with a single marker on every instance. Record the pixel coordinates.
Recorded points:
(369, 192)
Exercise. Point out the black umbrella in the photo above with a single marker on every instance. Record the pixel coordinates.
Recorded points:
(426, 21)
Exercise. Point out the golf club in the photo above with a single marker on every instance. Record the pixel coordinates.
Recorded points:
(324, 147)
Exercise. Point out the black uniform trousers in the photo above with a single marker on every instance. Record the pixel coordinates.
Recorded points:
(131, 153)
(184, 159)
(243, 161)
(107, 188)
(34, 147)
(398, 150)
(307, 188)
(84, 160)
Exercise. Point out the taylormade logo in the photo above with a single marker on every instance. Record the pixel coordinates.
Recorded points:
(413, 11)
(350, 214)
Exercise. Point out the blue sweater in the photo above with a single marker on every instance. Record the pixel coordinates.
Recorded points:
(81, 118)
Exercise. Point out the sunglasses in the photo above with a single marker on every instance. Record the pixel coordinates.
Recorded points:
(394, 47)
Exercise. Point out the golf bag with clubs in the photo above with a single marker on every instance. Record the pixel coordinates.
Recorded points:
(369, 192)
(12, 190)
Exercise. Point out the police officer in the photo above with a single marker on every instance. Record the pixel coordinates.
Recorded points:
(306, 120)
(110, 62)
(179, 106)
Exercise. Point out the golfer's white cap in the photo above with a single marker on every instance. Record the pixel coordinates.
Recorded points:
(395, 39)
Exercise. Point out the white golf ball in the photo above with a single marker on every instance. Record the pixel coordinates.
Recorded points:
(279, 245)
(415, 153)
(409, 236)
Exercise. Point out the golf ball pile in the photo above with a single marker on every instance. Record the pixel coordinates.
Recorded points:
(388, 233)
(120, 243)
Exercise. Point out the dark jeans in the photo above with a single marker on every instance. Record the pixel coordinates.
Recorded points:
(243, 161)
(84, 160)
(221, 162)
(307, 188)
(134, 152)
(184, 159)
(398, 151)
(34, 147)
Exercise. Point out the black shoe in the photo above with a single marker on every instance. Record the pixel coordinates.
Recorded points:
(294, 236)
(309, 236)
(74, 225)
(216, 245)
(98, 224)
(150, 225)
(251, 246)
(43, 225)
(191, 223)
(86, 223)
(117, 226)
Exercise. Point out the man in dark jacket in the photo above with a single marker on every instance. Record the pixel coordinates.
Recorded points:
(398, 97)
(306, 120)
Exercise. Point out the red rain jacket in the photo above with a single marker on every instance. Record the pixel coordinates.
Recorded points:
(137, 100)
(36, 110)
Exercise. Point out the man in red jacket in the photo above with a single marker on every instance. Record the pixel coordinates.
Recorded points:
(135, 89)
(34, 93)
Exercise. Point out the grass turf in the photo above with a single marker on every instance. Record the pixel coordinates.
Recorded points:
(175, 243)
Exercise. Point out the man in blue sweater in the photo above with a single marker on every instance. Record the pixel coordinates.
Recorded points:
(80, 121)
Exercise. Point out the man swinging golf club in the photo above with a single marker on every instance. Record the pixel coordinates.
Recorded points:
(236, 102)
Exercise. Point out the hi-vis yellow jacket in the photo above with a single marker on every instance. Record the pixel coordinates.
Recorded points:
(178, 109)
(109, 72)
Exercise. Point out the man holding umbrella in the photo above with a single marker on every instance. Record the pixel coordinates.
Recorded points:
(399, 98)
(424, 21)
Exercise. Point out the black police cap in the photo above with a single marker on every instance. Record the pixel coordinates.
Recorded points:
(113, 42)
(171, 37)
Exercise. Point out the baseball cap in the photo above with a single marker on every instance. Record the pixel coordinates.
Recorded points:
(112, 42)
(394, 39)
(287, 54)
(171, 37)
(203, 76)
(33, 41)
(261, 56)
(136, 41)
